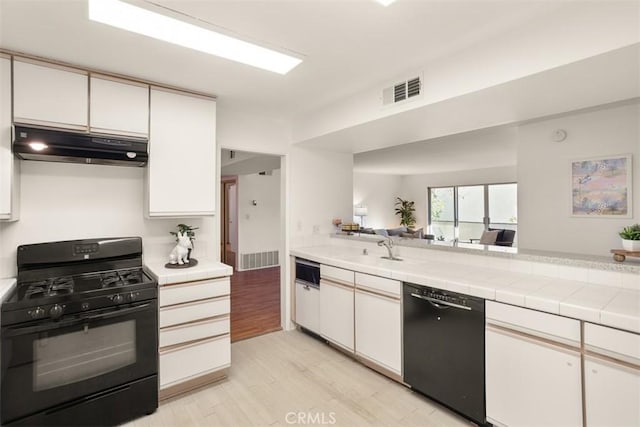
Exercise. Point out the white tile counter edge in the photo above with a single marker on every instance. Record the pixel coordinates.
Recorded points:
(6, 286)
(206, 269)
(571, 298)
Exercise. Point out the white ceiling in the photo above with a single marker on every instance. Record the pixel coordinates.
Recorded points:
(347, 45)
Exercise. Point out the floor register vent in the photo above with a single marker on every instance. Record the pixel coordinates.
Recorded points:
(402, 91)
(258, 260)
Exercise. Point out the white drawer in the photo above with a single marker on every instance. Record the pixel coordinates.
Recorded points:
(381, 284)
(208, 328)
(193, 291)
(338, 274)
(184, 313)
(182, 363)
(533, 322)
(606, 340)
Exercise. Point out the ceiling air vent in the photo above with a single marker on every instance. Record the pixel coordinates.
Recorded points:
(402, 91)
(413, 87)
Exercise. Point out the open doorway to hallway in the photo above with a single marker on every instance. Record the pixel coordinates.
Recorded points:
(250, 240)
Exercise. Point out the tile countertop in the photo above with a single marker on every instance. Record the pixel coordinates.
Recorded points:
(6, 285)
(606, 305)
(206, 269)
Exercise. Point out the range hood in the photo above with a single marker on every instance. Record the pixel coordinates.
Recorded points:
(51, 145)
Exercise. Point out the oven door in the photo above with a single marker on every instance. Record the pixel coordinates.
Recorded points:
(48, 363)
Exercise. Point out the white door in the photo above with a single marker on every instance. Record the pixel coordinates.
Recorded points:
(531, 383)
(378, 324)
(336, 313)
(50, 96)
(119, 108)
(612, 394)
(308, 307)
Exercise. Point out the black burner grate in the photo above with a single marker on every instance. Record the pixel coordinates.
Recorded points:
(50, 288)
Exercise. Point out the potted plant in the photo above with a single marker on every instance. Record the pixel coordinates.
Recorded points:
(406, 210)
(189, 231)
(631, 238)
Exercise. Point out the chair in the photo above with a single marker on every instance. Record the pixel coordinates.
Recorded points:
(505, 237)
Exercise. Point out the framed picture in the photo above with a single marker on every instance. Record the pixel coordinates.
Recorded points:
(601, 187)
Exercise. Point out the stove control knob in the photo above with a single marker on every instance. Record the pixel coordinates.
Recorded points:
(56, 311)
(118, 299)
(38, 313)
(132, 296)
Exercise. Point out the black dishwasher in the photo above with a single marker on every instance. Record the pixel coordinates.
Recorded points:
(444, 348)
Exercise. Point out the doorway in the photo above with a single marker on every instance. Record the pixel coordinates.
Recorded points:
(250, 240)
(229, 220)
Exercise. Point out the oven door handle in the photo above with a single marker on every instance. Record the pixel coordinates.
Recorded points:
(13, 331)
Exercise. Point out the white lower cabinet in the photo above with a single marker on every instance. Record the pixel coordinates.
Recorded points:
(336, 313)
(378, 325)
(183, 363)
(308, 307)
(612, 377)
(194, 337)
(612, 394)
(533, 377)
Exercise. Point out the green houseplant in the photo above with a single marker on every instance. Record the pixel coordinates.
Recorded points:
(631, 237)
(406, 210)
(188, 230)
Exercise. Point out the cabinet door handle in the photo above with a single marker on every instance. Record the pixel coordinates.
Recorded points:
(306, 287)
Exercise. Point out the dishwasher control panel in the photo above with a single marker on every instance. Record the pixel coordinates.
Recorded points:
(439, 295)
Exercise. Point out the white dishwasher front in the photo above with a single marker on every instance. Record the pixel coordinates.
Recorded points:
(308, 306)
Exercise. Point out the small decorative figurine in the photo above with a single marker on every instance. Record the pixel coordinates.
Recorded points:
(180, 254)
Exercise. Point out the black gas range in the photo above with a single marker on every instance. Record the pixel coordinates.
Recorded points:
(79, 335)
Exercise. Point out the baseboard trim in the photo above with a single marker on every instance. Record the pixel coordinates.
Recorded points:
(189, 385)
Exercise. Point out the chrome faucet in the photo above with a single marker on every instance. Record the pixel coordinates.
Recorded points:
(388, 243)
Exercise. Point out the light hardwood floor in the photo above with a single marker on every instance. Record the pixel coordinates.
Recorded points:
(278, 377)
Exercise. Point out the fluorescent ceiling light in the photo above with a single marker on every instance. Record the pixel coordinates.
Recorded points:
(132, 18)
(385, 3)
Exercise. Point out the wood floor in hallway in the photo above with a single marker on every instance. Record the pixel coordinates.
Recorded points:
(255, 302)
(290, 379)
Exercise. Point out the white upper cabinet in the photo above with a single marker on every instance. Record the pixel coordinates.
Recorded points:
(181, 176)
(50, 96)
(9, 165)
(117, 107)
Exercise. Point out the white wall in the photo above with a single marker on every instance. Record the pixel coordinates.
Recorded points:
(378, 193)
(321, 185)
(251, 131)
(544, 189)
(259, 226)
(62, 201)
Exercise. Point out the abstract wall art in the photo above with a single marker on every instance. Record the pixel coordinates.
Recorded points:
(601, 187)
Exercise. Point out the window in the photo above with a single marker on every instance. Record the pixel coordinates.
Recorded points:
(464, 212)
